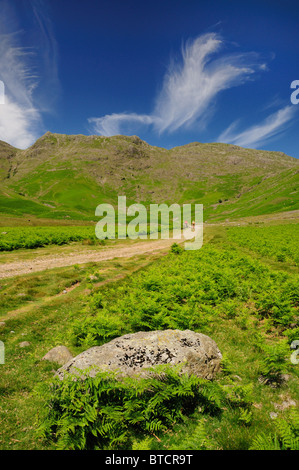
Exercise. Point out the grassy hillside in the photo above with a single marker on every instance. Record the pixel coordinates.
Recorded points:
(66, 177)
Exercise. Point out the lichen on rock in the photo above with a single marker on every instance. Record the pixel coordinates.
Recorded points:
(133, 354)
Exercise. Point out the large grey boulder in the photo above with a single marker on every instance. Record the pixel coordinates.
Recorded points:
(133, 354)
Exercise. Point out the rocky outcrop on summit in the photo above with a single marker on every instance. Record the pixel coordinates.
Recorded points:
(133, 354)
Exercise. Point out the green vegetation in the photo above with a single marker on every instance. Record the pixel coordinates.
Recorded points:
(248, 307)
(192, 290)
(13, 238)
(241, 288)
(277, 242)
(28, 237)
(285, 437)
(106, 413)
(35, 309)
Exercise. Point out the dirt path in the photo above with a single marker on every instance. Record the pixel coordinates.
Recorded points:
(50, 262)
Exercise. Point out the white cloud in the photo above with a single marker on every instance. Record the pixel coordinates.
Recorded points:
(110, 124)
(18, 124)
(258, 134)
(21, 113)
(189, 89)
(18, 115)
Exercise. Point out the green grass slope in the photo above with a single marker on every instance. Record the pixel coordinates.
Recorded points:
(67, 176)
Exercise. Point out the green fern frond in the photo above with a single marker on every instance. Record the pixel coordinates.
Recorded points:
(198, 440)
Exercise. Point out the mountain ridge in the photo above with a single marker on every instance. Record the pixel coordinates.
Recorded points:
(66, 176)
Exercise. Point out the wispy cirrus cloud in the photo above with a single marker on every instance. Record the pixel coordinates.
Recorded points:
(189, 88)
(21, 113)
(258, 134)
(111, 123)
(48, 53)
(18, 115)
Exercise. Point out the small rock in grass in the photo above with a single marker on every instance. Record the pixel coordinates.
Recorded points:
(259, 406)
(59, 354)
(24, 344)
(285, 404)
(237, 377)
(285, 377)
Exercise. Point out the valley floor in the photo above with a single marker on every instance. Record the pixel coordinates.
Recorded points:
(45, 291)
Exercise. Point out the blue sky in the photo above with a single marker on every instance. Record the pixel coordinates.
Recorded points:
(170, 71)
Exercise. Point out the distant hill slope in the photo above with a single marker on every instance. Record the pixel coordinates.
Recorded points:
(67, 176)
